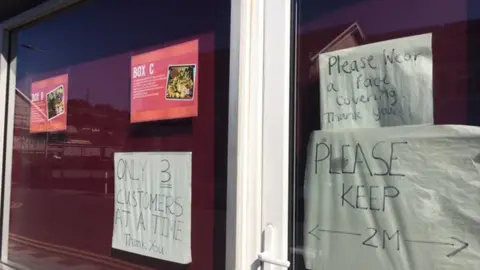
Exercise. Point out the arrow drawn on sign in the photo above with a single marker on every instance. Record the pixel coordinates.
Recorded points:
(317, 229)
(463, 245)
(455, 252)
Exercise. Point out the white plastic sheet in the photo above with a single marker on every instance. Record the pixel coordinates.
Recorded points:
(403, 198)
(376, 85)
(153, 205)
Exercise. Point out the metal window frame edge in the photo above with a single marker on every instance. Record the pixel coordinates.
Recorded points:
(237, 242)
(4, 188)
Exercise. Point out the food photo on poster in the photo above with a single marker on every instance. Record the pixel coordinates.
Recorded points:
(164, 83)
(55, 102)
(49, 104)
(181, 82)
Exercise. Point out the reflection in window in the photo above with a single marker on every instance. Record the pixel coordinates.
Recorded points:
(74, 89)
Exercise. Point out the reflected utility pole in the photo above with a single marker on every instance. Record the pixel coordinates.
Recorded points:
(38, 50)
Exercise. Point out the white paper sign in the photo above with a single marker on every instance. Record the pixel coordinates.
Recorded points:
(398, 198)
(153, 194)
(381, 84)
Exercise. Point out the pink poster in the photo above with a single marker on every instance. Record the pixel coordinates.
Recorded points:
(49, 104)
(164, 83)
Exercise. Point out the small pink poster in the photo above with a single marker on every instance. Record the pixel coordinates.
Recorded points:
(49, 104)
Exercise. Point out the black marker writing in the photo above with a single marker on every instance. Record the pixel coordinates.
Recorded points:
(140, 222)
(367, 242)
(365, 197)
(368, 82)
(339, 65)
(393, 157)
(150, 201)
(339, 117)
(384, 238)
(130, 241)
(146, 204)
(122, 217)
(383, 96)
(382, 153)
(331, 87)
(394, 57)
(382, 113)
(166, 171)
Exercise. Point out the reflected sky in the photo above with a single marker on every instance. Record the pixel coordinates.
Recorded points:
(383, 16)
(92, 42)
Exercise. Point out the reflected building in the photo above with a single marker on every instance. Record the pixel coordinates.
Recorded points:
(77, 159)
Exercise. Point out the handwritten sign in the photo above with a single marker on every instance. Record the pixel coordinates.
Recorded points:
(153, 205)
(393, 198)
(381, 84)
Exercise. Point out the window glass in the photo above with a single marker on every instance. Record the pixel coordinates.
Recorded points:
(120, 137)
(382, 178)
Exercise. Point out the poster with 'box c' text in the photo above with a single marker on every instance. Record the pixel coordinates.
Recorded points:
(381, 84)
(153, 205)
(164, 83)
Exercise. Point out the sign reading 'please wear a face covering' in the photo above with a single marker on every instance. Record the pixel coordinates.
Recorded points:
(153, 205)
(377, 85)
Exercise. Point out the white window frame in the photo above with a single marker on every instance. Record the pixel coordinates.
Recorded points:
(258, 197)
(258, 129)
(276, 130)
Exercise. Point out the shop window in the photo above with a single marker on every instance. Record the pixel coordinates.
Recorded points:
(368, 72)
(106, 80)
